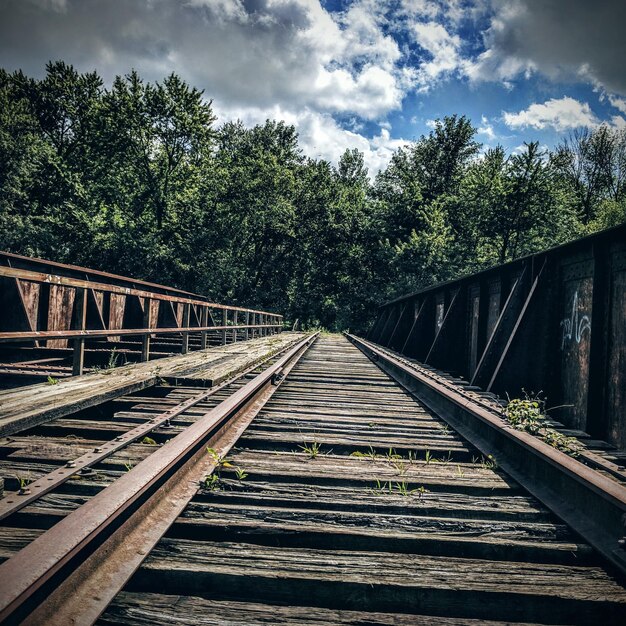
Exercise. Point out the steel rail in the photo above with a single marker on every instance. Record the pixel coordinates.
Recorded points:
(593, 505)
(9, 336)
(66, 281)
(164, 482)
(14, 502)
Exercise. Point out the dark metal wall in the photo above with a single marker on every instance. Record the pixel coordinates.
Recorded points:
(553, 322)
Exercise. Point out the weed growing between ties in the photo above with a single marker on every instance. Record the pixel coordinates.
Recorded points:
(528, 414)
(485, 462)
(311, 449)
(399, 488)
(52, 381)
(213, 481)
(370, 454)
(23, 482)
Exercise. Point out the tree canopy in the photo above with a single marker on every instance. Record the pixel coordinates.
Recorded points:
(139, 179)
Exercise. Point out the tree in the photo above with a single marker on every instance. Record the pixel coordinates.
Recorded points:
(593, 163)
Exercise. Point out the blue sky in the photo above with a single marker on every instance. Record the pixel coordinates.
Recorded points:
(363, 74)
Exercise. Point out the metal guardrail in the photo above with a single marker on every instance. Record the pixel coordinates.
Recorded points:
(554, 321)
(52, 304)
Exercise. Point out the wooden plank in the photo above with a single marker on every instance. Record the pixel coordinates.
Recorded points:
(376, 581)
(27, 406)
(151, 609)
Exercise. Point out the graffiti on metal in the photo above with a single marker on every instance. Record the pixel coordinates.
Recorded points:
(574, 327)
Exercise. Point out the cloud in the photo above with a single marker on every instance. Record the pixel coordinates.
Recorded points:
(320, 136)
(618, 103)
(560, 114)
(618, 122)
(562, 39)
(486, 129)
(249, 52)
(442, 48)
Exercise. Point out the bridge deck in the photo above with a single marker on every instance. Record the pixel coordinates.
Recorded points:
(323, 521)
(337, 498)
(35, 404)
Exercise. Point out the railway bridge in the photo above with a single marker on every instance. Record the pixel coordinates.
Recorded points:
(166, 459)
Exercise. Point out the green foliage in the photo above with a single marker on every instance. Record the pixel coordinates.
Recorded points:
(528, 414)
(214, 480)
(311, 449)
(138, 179)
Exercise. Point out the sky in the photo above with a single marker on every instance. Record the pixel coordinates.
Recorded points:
(365, 74)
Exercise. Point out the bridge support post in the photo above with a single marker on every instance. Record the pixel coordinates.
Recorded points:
(204, 334)
(79, 344)
(186, 317)
(145, 339)
(224, 323)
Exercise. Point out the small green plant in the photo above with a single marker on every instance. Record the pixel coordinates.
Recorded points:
(529, 415)
(429, 458)
(312, 449)
(240, 473)
(383, 487)
(485, 462)
(446, 459)
(112, 362)
(403, 489)
(459, 472)
(370, 454)
(148, 441)
(23, 482)
(445, 429)
(52, 381)
(129, 465)
(526, 414)
(220, 461)
(392, 455)
(211, 482)
(420, 491)
(569, 445)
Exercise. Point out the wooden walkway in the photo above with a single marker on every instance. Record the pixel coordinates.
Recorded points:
(28, 406)
(348, 503)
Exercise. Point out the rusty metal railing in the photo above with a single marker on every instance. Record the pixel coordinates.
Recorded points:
(50, 305)
(553, 321)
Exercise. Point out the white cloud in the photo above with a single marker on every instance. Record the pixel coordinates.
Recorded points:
(618, 122)
(562, 39)
(320, 136)
(442, 47)
(618, 103)
(560, 114)
(290, 52)
(486, 129)
(291, 59)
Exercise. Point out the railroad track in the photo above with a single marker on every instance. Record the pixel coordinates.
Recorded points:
(329, 496)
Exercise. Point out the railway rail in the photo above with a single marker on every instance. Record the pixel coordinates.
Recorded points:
(324, 486)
